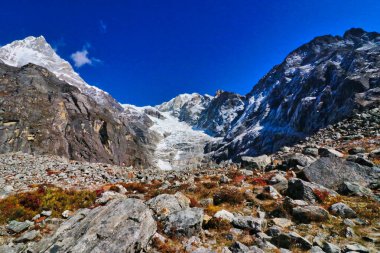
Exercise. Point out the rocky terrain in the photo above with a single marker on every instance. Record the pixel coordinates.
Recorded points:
(284, 202)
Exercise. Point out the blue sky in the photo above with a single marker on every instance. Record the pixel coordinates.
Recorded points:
(146, 52)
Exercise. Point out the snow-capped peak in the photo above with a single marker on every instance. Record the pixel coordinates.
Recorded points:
(186, 107)
(38, 51)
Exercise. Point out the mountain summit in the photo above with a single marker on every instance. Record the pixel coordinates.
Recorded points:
(36, 50)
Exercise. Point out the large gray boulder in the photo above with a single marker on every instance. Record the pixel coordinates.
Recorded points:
(331, 172)
(258, 162)
(301, 190)
(165, 204)
(123, 225)
(342, 210)
(187, 222)
(248, 222)
(308, 214)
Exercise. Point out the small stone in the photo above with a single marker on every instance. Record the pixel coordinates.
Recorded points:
(349, 232)
(349, 223)
(67, 214)
(46, 213)
(224, 179)
(225, 215)
(282, 222)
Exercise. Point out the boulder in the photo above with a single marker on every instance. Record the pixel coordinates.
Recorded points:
(238, 247)
(17, 227)
(301, 190)
(356, 150)
(249, 222)
(355, 248)
(107, 196)
(310, 151)
(123, 225)
(187, 222)
(330, 248)
(165, 204)
(299, 159)
(354, 189)
(308, 214)
(289, 240)
(342, 210)
(331, 172)
(225, 215)
(282, 222)
(258, 162)
(27, 236)
(329, 152)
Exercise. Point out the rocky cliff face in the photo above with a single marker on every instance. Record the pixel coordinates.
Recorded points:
(37, 51)
(320, 83)
(221, 113)
(41, 114)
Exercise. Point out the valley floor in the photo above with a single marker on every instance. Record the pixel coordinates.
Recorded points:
(321, 195)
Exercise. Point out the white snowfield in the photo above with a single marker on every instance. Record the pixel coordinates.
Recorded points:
(180, 146)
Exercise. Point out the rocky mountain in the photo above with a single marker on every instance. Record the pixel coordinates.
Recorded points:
(320, 83)
(37, 51)
(41, 114)
(186, 107)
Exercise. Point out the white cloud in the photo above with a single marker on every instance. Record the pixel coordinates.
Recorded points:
(102, 26)
(81, 57)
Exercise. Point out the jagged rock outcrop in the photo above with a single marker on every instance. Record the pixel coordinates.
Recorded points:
(320, 83)
(221, 113)
(41, 114)
(123, 225)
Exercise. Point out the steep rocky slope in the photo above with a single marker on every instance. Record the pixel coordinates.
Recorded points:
(322, 82)
(37, 51)
(41, 114)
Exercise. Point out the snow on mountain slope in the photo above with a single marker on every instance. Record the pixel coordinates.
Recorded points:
(186, 107)
(179, 146)
(37, 51)
(319, 83)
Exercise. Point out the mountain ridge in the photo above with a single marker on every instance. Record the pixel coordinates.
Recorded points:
(315, 85)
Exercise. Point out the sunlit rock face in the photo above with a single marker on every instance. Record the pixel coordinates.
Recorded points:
(319, 83)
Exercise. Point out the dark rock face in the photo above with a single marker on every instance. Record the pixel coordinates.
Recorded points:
(221, 113)
(320, 83)
(332, 172)
(41, 114)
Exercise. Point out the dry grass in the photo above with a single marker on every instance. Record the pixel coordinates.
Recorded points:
(232, 196)
(23, 206)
